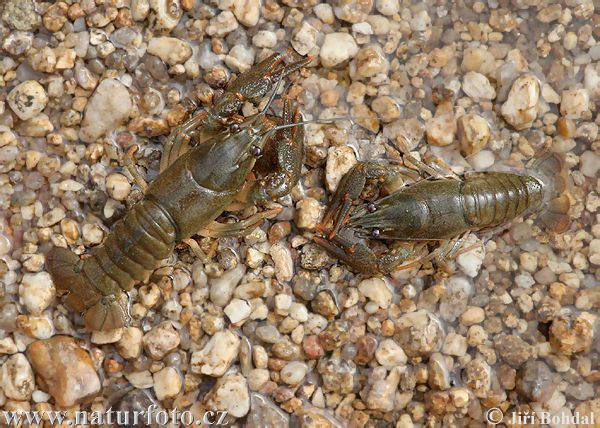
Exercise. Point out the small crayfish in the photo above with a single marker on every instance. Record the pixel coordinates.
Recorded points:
(194, 187)
(436, 209)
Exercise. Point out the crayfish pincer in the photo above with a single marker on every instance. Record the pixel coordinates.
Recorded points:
(187, 196)
(436, 209)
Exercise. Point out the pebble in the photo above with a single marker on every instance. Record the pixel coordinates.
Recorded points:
(118, 186)
(222, 288)
(166, 14)
(473, 133)
(222, 24)
(304, 38)
(569, 336)
(107, 109)
(352, 10)
(513, 350)
(167, 383)
(389, 354)
(308, 213)
(16, 378)
(161, 340)
(376, 290)
(371, 62)
(473, 315)
(521, 107)
(268, 334)
(294, 372)
(27, 99)
(478, 60)
(574, 103)
(106, 337)
(230, 394)
(130, 343)
(38, 126)
(282, 258)
(592, 80)
(535, 381)
(337, 48)
(265, 39)
(170, 49)
(478, 87)
(20, 14)
(217, 355)
(265, 413)
(66, 370)
(455, 345)
(339, 161)
(237, 311)
(36, 292)
(387, 7)
(258, 378)
(441, 129)
(418, 333)
(247, 12)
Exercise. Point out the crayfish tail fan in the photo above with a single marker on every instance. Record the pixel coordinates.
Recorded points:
(63, 266)
(551, 170)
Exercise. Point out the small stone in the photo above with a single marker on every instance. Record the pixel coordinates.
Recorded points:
(371, 62)
(107, 336)
(165, 14)
(478, 60)
(420, 21)
(161, 340)
(65, 58)
(257, 379)
(294, 372)
(282, 258)
(339, 161)
(535, 382)
(521, 107)
(20, 14)
(376, 290)
(513, 350)
(268, 334)
(140, 9)
(38, 126)
(308, 213)
(352, 10)
(592, 80)
(473, 315)
(265, 39)
(222, 24)
(92, 234)
(478, 377)
(170, 49)
(130, 343)
(337, 48)
(549, 13)
(118, 186)
(167, 383)
(441, 129)
(389, 354)
(312, 348)
(27, 99)
(324, 12)
(473, 133)
(217, 355)
(8, 346)
(237, 311)
(455, 345)
(230, 394)
(66, 370)
(36, 292)
(387, 7)
(418, 333)
(222, 288)
(574, 103)
(52, 217)
(478, 87)
(107, 109)
(16, 378)
(247, 12)
(142, 379)
(304, 39)
(570, 336)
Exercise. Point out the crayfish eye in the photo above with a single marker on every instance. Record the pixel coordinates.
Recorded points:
(234, 127)
(375, 233)
(371, 207)
(256, 151)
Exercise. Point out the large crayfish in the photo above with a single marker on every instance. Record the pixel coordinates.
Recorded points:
(194, 187)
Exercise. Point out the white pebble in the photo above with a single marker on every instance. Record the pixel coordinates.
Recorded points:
(36, 292)
(376, 290)
(167, 383)
(337, 48)
(293, 372)
(237, 310)
(217, 355)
